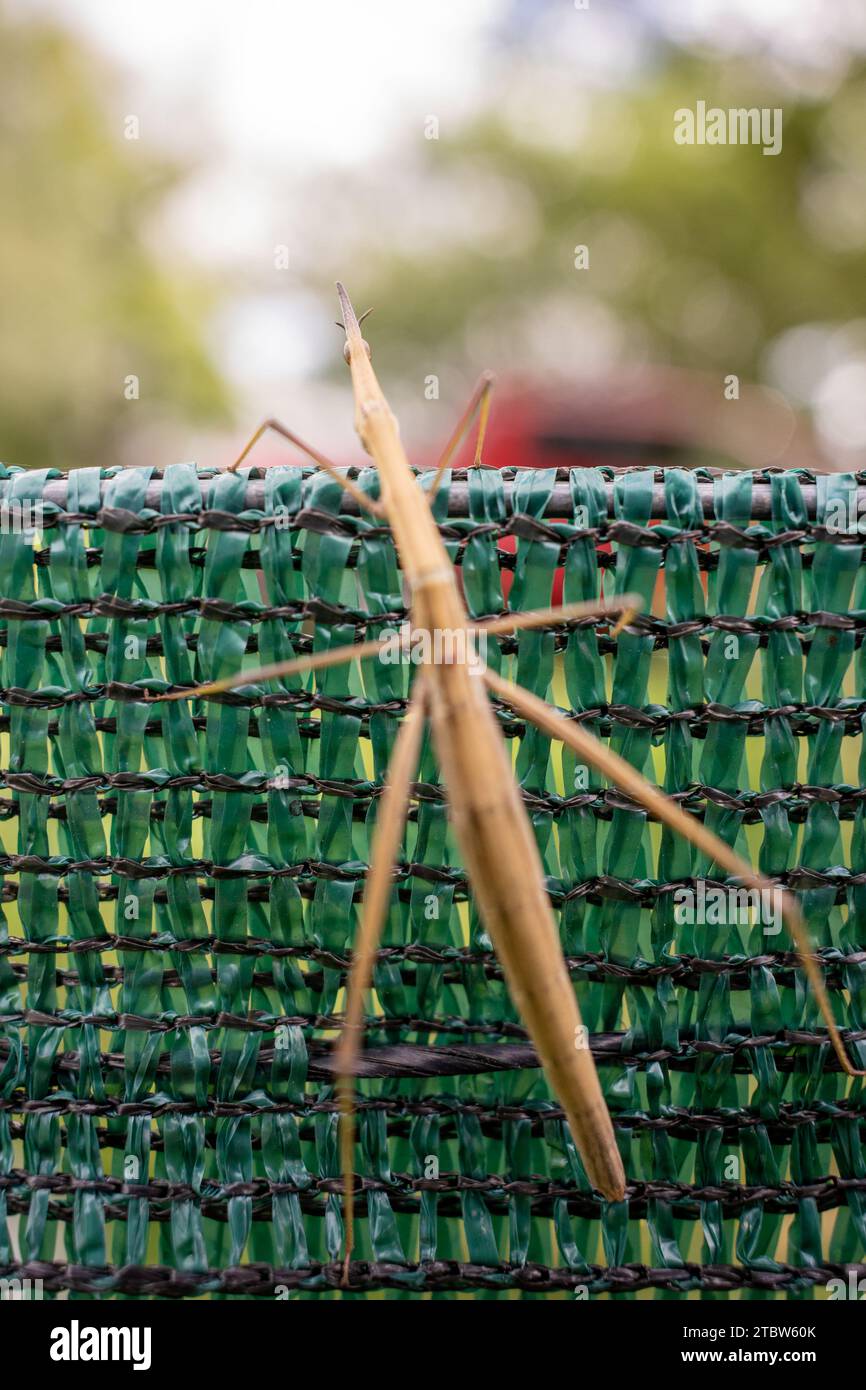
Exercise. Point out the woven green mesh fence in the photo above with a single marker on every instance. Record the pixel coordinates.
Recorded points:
(181, 881)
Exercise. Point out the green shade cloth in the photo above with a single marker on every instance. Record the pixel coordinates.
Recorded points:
(180, 889)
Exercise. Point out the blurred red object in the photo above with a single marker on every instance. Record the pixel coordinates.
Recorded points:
(655, 417)
(658, 417)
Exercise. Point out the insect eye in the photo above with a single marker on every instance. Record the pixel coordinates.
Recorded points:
(347, 352)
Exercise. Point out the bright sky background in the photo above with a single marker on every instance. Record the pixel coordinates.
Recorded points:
(257, 70)
(263, 94)
(288, 85)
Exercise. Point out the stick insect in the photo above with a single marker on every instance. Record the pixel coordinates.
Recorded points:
(487, 814)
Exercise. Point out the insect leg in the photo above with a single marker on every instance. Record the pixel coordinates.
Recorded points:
(479, 403)
(366, 503)
(629, 780)
(316, 661)
(627, 605)
(377, 894)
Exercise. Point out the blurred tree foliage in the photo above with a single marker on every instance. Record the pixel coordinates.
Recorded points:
(702, 255)
(84, 302)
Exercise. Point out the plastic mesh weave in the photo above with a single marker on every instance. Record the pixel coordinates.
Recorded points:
(181, 881)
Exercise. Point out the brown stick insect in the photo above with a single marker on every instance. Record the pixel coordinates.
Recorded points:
(490, 823)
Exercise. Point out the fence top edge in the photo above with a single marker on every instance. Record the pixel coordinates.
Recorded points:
(55, 491)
